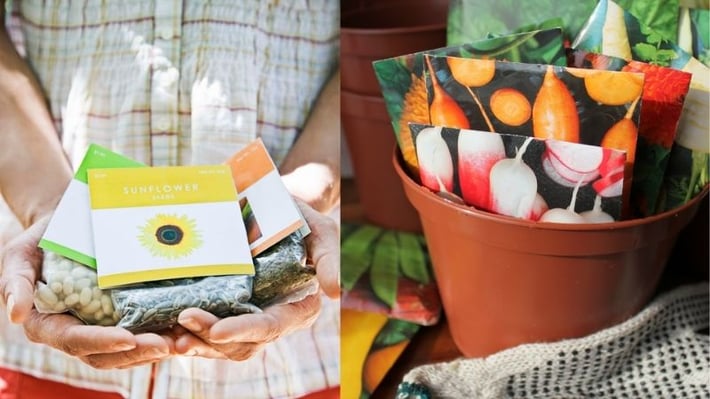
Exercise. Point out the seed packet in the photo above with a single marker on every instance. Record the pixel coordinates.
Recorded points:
(663, 97)
(166, 222)
(281, 277)
(694, 32)
(268, 210)
(156, 306)
(465, 22)
(388, 272)
(402, 78)
(600, 108)
(370, 345)
(529, 178)
(282, 274)
(69, 231)
(68, 286)
(688, 166)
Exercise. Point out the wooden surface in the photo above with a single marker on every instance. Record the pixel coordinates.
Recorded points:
(430, 344)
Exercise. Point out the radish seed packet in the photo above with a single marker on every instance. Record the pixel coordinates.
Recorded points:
(530, 178)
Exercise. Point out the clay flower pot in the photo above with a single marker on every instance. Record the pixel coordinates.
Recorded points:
(506, 281)
(370, 139)
(384, 30)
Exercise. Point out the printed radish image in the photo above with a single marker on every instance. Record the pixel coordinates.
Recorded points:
(477, 153)
(513, 186)
(612, 173)
(612, 162)
(567, 163)
(611, 185)
(568, 215)
(436, 168)
(539, 208)
(518, 176)
(597, 215)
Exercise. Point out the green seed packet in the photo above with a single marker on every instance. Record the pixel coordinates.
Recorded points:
(69, 232)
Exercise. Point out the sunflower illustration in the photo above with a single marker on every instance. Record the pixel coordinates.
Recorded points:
(170, 236)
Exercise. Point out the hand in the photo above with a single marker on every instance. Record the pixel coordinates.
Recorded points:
(100, 347)
(240, 337)
(323, 245)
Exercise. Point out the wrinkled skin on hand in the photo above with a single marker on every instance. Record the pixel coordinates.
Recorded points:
(100, 347)
(240, 337)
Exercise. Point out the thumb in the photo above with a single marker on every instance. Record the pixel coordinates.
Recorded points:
(198, 322)
(324, 249)
(21, 262)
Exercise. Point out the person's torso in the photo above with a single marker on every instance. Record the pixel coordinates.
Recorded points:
(173, 82)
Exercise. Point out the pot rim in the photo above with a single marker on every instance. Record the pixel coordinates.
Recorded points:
(393, 30)
(383, 31)
(617, 225)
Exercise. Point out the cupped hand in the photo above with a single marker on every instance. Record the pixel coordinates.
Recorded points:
(100, 347)
(240, 337)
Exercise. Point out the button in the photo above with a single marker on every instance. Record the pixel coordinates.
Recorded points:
(166, 77)
(162, 123)
(166, 31)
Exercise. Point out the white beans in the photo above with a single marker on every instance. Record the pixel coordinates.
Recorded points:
(71, 287)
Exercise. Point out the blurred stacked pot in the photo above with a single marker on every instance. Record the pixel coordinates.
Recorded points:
(372, 31)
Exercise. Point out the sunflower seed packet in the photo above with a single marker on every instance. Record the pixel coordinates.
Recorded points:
(165, 223)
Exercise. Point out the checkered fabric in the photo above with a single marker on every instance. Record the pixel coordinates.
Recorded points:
(171, 82)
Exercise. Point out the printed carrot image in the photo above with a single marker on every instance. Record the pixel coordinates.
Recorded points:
(253, 230)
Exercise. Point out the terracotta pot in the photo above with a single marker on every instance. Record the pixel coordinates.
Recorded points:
(370, 139)
(386, 30)
(691, 251)
(506, 281)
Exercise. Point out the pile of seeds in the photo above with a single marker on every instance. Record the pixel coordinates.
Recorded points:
(68, 286)
(155, 306)
(71, 287)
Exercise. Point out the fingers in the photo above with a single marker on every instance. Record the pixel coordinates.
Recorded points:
(70, 335)
(21, 262)
(240, 337)
(199, 323)
(149, 348)
(327, 263)
(323, 249)
(268, 326)
(100, 347)
(191, 345)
